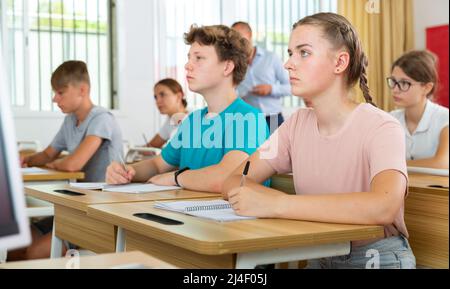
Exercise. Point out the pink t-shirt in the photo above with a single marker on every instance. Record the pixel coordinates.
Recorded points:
(370, 142)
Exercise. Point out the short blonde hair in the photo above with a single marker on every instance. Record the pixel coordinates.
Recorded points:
(70, 72)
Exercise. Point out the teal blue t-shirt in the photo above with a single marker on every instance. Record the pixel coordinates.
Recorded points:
(203, 140)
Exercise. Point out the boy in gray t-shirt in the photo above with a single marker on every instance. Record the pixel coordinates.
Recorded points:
(99, 123)
(90, 134)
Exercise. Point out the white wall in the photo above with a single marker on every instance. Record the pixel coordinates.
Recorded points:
(137, 113)
(428, 13)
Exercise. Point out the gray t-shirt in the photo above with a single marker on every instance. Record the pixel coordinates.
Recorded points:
(100, 123)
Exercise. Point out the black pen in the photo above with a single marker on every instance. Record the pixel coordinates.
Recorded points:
(245, 173)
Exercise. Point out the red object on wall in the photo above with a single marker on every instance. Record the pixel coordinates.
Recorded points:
(437, 42)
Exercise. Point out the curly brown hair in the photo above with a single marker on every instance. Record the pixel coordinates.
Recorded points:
(229, 45)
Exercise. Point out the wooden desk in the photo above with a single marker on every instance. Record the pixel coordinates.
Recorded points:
(72, 224)
(38, 208)
(417, 182)
(426, 216)
(284, 183)
(106, 261)
(52, 177)
(428, 183)
(201, 243)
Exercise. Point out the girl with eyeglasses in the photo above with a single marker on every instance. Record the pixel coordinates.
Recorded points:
(413, 83)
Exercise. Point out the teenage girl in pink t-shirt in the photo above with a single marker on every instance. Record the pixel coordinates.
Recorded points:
(347, 159)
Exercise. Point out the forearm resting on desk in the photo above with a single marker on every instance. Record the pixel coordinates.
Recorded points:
(40, 159)
(377, 207)
(432, 163)
(149, 168)
(212, 178)
(440, 159)
(209, 179)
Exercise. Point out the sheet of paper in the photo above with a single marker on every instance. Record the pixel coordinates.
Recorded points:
(138, 188)
(88, 186)
(428, 171)
(34, 170)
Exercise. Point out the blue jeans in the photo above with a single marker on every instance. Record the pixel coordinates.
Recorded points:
(389, 253)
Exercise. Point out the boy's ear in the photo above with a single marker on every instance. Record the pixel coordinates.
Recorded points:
(84, 89)
(229, 68)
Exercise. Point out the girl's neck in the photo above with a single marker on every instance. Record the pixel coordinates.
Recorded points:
(414, 114)
(332, 109)
(180, 109)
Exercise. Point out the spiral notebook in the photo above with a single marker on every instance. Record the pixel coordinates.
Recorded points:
(217, 210)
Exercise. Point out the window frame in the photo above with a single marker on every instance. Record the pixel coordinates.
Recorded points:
(25, 111)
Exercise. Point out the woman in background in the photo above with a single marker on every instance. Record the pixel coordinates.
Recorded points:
(169, 98)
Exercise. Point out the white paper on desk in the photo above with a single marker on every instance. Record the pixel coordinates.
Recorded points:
(34, 170)
(138, 188)
(88, 186)
(428, 171)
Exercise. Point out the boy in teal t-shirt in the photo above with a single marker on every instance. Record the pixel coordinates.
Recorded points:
(239, 127)
(214, 141)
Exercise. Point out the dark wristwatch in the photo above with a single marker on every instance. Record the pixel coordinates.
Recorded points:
(177, 173)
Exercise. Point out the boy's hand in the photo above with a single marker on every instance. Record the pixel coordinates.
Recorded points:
(148, 154)
(51, 165)
(117, 175)
(167, 179)
(23, 161)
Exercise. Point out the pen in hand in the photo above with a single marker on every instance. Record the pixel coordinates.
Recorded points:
(123, 165)
(245, 173)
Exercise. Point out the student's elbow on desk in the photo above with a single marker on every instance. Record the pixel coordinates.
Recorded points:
(386, 217)
(388, 209)
(70, 166)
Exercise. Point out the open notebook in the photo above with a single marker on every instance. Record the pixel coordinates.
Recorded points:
(218, 210)
(128, 188)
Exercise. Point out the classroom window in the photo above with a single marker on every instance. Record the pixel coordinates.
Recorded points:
(41, 34)
(271, 21)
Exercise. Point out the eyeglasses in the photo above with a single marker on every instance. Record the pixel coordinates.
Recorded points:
(403, 85)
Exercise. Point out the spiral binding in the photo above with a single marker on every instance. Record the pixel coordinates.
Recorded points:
(208, 208)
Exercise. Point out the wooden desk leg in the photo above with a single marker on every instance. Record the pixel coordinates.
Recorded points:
(252, 259)
(56, 249)
(120, 242)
